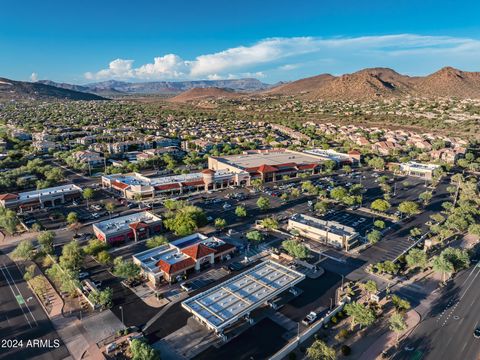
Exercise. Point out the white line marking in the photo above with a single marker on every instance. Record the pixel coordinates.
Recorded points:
(13, 292)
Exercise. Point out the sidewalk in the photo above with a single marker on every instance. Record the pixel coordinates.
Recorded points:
(388, 338)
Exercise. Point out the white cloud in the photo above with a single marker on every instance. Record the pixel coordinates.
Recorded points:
(276, 54)
(34, 77)
(117, 69)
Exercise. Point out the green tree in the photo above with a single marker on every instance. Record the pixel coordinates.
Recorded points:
(185, 220)
(142, 351)
(88, 194)
(94, 246)
(380, 205)
(338, 193)
(458, 257)
(270, 223)
(359, 314)
(254, 236)
(379, 224)
(241, 211)
(8, 220)
(370, 287)
(296, 249)
(45, 239)
(377, 163)
(24, 251)
(263, 203)
(295, 192)
(104, 257)
(220, 223)
(125, 269)
(156, 241)
(110, 207)
(72, 218)
(401, 305)
(416, 258)
(425, 197)
(408, 208)
(443, 266)
(319, 350)
(374, 236)
(102, 298)
(414, 232)
(72, 256)
(397, 324)
(256, 183)
(321, 207)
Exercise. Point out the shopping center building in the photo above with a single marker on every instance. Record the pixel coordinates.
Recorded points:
(137, 226)
(173, 261)
(328, 232)
(233, 300)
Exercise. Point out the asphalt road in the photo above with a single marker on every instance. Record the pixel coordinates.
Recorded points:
(23, 321)
(447, 329)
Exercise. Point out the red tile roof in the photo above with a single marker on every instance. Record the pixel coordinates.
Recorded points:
(208, 171)
(119, 185)
(267, 168)
(8, 196)
(193, 183)
(176, 267)
(168, 186)
(307, 166)
(198, 251)
(292, 164)
(138, 225)
(354, 152)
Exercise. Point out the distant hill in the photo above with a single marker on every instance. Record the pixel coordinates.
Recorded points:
(23, 90)
(204, 94)
(300, 86)
(374, 83)
(450, 82)
(175, 87)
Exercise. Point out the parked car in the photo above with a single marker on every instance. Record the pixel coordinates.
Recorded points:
(83, 275)
(186, 286)
(310, 318)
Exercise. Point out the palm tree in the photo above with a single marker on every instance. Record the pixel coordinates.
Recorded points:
(442, 265)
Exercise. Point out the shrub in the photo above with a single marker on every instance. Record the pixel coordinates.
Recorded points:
(342, 334)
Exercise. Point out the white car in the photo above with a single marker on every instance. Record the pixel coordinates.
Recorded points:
(227, 206)
(310, 318)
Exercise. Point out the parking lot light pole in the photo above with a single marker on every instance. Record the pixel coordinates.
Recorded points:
(121, 311)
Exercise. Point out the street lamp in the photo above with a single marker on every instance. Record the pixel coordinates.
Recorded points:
(121, 311)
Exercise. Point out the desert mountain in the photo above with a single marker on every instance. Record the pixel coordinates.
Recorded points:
(374, 83)
(22, 90)
(197, 94)
(450, 82)
(174, 87)
(301, 86)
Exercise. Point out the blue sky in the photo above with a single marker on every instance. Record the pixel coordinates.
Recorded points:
(86, 41)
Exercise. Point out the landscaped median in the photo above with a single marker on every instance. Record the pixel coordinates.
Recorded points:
(46, 294)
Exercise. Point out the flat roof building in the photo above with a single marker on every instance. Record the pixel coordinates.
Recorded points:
(424, 171)
(352, 157)
(41, 198)
(133, 184)
(179, 257)
(268, 165)
(137, 226)
(328, 232)
(223, 305)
